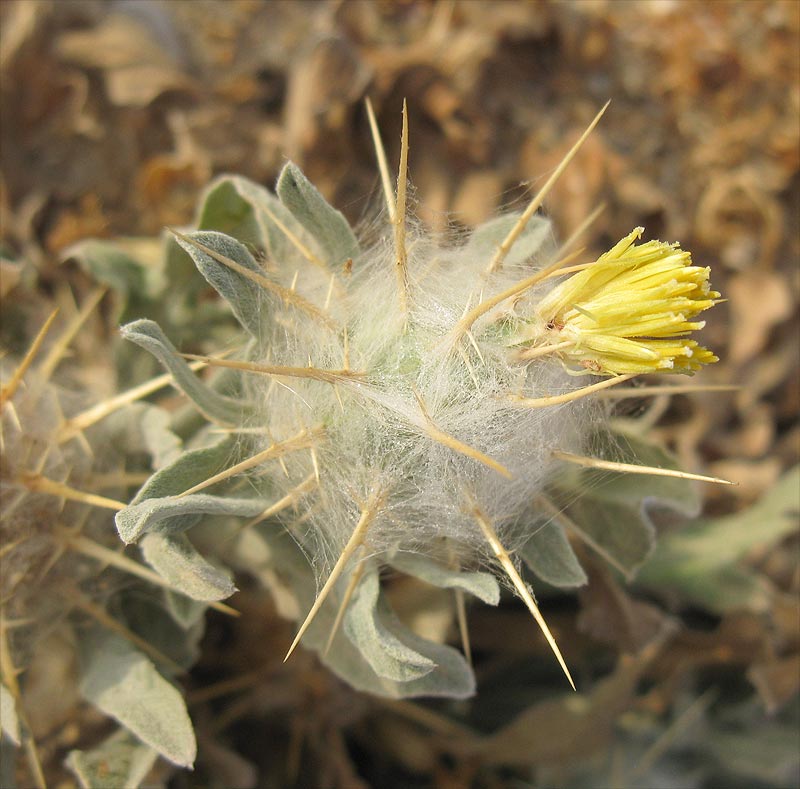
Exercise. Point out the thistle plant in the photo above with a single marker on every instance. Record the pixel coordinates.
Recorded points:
(79, 619)
(398, 403)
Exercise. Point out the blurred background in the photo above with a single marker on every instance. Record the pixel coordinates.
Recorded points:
(116, 114)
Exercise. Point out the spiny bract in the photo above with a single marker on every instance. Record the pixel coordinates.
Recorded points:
(402, 401)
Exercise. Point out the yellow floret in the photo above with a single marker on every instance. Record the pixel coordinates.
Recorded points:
(628, 313)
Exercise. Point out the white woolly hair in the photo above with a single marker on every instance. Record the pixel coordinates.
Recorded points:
(376, 437)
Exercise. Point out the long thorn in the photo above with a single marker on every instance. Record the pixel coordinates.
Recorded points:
(9, 673)
(301, 440)
(577, 394)
(294, 240)
(582, 228)
(459, 446)
(39, 484)
(8, 391)
(461, 606)
(401, 261)
(465, 324)
(286, 501)
(535, 204)
(368, 514)
(632, 468)
(561, 517)
(348, 593)
(328, 376)
(383, 165)
(505, 561)
(56, 353)
(90, 416)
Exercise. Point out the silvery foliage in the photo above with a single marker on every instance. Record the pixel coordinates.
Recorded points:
(375, 651)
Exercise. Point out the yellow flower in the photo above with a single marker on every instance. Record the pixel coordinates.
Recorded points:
(629, 312)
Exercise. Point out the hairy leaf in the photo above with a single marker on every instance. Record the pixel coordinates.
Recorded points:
(699, 562)
(376, 634)
(611, 509)
(213, 405)
(175, 559)
(247, 298)
(123, 683)
(274, 558)
(189, 469)
(168, 514)
(120, 761)
(481, 585)
(327, 225)
(549, 554)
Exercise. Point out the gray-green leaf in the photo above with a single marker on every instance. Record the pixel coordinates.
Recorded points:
(611, 510)
(549, 554)
(276, 560)
(481, 585)
(700, 562)
(373, 629)
(175, 514)
(189, 469)
(327, 225)
(121, 682)
(119, 761)
(246, 297)
(213, 405)
(175, 559)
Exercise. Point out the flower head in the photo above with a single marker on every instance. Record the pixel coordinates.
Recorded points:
(629, 312)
